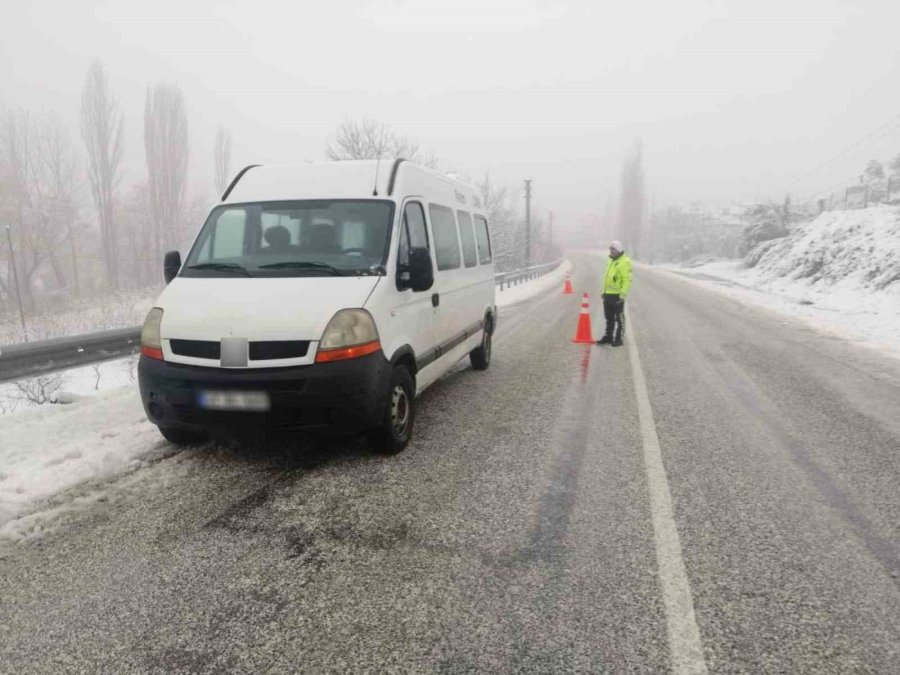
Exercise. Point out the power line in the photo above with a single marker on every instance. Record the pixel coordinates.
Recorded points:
(877, 134)
(843, 183)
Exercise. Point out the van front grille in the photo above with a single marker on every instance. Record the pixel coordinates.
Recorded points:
(281, 349)
(259, 351)
(198, 349)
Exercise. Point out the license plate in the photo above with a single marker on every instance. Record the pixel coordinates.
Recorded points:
(234, 400)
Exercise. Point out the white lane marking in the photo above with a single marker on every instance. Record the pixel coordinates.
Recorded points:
(685, 648)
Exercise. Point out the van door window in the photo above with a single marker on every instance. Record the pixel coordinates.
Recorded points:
(446, 237)
(470, 256)
(484, 240)
(414, 217)
(413, 234)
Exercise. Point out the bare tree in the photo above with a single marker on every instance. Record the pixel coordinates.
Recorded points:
(631, 204)
(166, 145)
(138, 235)
(101, 128)
(507, 231)
(370, 139)
(222, 159)
(41, 389)
(38, 169)
(62, 178)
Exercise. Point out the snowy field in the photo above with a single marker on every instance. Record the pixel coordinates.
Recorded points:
(100, 432)
(840, 273)
(80, 315)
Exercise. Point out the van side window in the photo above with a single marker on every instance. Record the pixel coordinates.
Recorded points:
(414, 219)
(470, 256)
(484, 240)
(413, 233)
(446, 238)
(403, 248)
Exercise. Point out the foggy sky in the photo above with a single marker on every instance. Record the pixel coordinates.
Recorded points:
(733, 100)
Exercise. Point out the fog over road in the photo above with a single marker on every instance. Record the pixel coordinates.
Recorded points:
(515, 533)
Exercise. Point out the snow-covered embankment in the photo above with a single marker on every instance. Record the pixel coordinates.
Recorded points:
(841, 272)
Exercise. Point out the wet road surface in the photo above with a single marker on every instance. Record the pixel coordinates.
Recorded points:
(517, 533)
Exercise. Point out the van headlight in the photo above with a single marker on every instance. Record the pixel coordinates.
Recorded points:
(151, 342)
(349, 334)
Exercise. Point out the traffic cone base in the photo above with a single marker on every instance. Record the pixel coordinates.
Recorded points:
(583, 333)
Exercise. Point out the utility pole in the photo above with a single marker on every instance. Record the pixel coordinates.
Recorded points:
(551, 231)
(12, 257)
(528, 223)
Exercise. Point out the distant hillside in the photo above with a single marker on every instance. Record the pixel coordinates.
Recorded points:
(858, 249)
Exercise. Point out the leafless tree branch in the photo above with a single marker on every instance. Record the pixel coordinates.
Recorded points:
(101, 128)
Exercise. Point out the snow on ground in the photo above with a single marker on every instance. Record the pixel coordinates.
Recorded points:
(67, 386)
(840, 273)
(52, 448)
(529, 289)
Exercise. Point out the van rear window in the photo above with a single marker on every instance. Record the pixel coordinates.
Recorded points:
(446, 239)
(484, 240)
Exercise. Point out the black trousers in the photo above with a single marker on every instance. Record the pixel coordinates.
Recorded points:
(615, 317)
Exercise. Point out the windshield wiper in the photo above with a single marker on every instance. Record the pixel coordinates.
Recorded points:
(300, 265)
(221, 267)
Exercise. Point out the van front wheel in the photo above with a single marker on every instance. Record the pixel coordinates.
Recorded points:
(395, 430)
(481, 355)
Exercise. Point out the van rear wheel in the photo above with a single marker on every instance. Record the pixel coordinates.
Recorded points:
(395, 430)
(480, 357)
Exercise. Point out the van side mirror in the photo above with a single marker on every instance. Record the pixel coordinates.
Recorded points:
(421, 274)
(171, 265)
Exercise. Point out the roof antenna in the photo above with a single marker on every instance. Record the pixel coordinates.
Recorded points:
(377, 166)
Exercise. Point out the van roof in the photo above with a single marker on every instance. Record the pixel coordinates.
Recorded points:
(341, 180)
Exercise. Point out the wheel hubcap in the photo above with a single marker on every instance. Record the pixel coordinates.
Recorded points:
(399, 409)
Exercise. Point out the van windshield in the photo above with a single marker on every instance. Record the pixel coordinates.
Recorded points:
(293, 238)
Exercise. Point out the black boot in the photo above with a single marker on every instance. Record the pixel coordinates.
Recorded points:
(617, 342)
(604, 340)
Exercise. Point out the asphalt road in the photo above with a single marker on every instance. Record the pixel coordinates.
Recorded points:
(519, 532)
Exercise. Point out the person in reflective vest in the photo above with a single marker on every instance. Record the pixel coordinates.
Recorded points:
(616, 283)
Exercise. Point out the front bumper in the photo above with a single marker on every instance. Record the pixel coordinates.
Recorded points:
(343, 396)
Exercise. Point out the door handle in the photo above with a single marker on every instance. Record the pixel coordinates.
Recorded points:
(435, 300)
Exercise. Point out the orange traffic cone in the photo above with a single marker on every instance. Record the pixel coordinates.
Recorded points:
(583, 332)
(567, 290)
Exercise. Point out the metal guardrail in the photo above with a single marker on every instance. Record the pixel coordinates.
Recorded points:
(517, 277)
(47, 356)
(29, 359)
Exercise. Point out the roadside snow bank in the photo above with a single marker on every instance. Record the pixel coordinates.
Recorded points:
(66, 386)
(839, 250)
(841, 272)
(529, 289)
(49, 449)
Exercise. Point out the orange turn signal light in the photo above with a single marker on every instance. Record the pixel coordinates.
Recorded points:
(152, 353)
(344, 353)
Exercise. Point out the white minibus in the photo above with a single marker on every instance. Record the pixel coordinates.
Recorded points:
(320, 298)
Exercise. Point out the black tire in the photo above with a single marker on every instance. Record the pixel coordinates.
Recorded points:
(395, 430)
(481, 355)
(181, 436)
